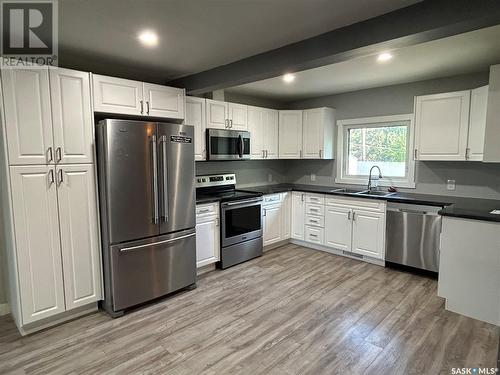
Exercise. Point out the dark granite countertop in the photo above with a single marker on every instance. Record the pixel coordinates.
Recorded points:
(463, 207)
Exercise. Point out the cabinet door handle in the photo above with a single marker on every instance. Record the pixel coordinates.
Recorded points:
(226, 123)
(58, 154)
(415, 154)
(50, 176)
(142, 107)
(467, 153)
(147, 107)
(353, 216)
(263, 154)
(300, 154)
(302, 197)
(231, 123)
(266, 154)
(264, 212)
(61, 177)
(205, 210)
(320, 154)
(216, 221)
(49, 155)
(349, 215)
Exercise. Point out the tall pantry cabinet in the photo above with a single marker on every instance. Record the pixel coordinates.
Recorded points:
(49, 197)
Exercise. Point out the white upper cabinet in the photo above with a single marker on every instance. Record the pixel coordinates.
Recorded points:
(263, 128)
(238, 116)
(290, 134)
(38, 251)
(79, 228)
(318, 133)
(217, 114)
(477, 125)
(256, 117)
(164, 101)
(124, 96)
(71, 116)
(441, 126)
(271, 134)
(28, 119)
(224, 115)
(117, 95)
(195, 116)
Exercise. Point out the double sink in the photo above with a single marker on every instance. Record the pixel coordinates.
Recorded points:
(366, 193)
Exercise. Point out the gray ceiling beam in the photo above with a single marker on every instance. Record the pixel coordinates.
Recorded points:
(418, 23)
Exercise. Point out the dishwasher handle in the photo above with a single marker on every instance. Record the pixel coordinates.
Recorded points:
(414, 209)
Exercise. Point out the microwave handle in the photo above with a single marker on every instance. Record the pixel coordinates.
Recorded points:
(240, 146)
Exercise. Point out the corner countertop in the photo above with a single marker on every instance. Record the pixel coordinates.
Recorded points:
(462, 207)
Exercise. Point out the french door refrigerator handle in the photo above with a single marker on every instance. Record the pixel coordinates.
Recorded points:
(125, 249)
(163, 143)
(155, 179)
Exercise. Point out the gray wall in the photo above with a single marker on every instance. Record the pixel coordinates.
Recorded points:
(250, 172)
(474, 179)
(390, 100)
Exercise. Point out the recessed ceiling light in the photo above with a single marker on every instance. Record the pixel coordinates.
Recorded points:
(384, 56)
(289, 77)
(148, 38)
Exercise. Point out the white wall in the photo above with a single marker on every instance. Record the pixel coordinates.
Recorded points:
(3, 276)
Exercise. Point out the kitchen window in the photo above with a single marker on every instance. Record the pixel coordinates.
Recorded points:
(386, 141)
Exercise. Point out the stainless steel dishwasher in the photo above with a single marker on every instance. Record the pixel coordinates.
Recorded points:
(412, 235)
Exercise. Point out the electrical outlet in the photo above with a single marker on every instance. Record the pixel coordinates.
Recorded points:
(269, 177)
(450, 184)
(313, 177)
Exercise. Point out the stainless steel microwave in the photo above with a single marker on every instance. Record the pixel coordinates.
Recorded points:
(228, 144)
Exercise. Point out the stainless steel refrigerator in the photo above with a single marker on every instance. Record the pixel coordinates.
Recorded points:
(147, 201)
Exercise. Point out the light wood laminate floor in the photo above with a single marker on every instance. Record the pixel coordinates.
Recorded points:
(292, 311)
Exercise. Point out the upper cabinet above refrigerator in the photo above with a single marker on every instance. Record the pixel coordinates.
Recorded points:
(48, 116)
(126, 97)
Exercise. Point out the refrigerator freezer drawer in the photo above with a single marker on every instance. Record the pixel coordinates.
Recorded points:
(148, 269)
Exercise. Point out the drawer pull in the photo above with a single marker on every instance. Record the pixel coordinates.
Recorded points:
(313, 235)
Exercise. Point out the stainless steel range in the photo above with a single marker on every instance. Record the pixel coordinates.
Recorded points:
(241, 218)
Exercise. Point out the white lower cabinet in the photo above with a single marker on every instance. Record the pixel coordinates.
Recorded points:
(78, 223)
(272, 224)
(368, 232)
(276, 218)
(56, 234)
(207, 234)
(339, 229)
(38, 249)
(314, 235)
(345, 224)
(298, 215)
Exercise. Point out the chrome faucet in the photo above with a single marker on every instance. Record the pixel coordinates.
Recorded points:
(370, 177)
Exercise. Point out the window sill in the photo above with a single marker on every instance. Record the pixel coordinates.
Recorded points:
(384, 183)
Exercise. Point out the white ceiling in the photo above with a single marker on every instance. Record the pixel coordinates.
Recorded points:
(195, 35)
(466, 53)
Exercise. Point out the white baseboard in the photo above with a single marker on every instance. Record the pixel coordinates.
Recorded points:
(4, 309)
(378, 262)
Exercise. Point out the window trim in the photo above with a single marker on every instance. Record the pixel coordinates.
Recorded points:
(344, 125)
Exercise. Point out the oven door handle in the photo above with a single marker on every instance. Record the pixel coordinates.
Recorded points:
(229, 204)
(240, 146)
